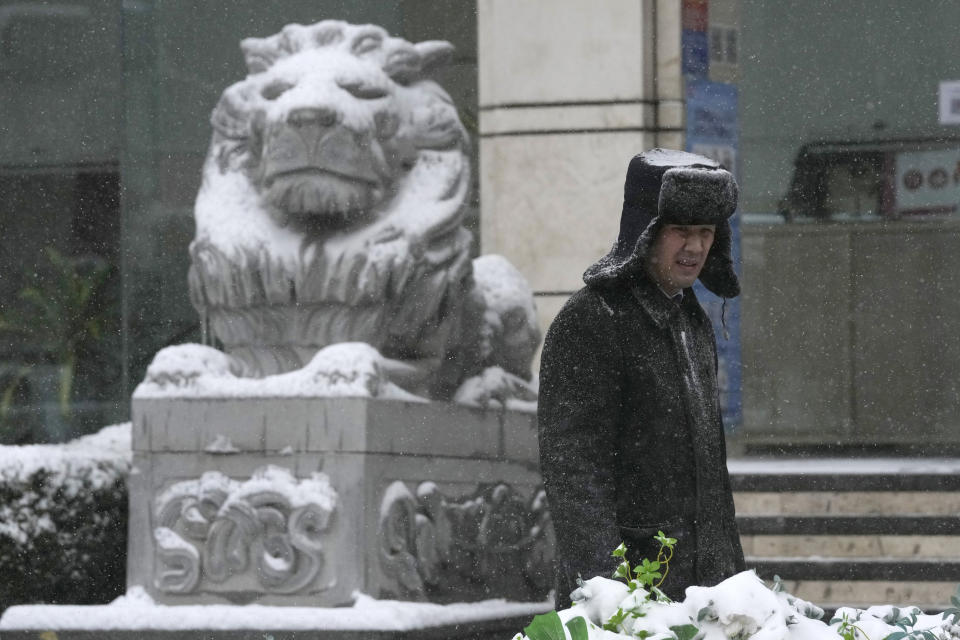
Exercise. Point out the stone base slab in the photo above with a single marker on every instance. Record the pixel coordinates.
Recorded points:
(379, 621)
(434, 502)
(495, 630)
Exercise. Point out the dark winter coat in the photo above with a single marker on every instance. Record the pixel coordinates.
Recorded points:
(631, 440)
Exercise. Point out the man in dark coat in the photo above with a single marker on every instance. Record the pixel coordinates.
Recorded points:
(631, 439)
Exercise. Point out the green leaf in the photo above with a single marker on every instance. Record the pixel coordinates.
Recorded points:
(896, 635)
(707, 613)
(546, 626)
(623, 571)
(620, 551)
(648, 572)
(578, 628)
(661, 596)
(636, 612)
(613, 624)
(685, 631)
(648, 578)
(664, 540)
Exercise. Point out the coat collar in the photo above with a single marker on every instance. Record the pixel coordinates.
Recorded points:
(661, 309)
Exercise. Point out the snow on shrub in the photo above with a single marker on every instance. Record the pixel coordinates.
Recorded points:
(63, 520)
(739, 608)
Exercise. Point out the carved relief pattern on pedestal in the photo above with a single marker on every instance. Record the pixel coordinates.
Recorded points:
(493, 543)
(264, 534)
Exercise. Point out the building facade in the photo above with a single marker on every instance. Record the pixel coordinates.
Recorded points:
(843, 138)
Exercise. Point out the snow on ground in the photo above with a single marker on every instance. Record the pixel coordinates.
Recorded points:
(137, 610)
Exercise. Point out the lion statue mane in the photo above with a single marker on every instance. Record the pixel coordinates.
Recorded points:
(331, 211)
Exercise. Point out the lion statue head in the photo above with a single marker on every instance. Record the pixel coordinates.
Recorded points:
(331, 119)
(332, 201)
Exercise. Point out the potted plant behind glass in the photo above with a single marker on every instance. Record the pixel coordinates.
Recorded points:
(59, 313)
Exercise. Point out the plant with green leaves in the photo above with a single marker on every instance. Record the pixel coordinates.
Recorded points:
(848, 629)
(906, 620)
(913, 634)
(59, 312)
(646, 578)
(953, 612)
(548, 626)
(650, 574)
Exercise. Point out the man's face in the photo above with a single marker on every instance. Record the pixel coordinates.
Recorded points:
(678, 254)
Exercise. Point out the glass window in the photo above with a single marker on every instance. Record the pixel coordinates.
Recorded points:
(850, 188)
(104, 129)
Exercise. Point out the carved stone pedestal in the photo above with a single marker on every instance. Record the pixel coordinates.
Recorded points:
(304, 501)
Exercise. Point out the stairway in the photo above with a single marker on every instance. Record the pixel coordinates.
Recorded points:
(853, 532)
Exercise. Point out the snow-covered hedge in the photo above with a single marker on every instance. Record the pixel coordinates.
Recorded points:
(740, 608)
(63, 520)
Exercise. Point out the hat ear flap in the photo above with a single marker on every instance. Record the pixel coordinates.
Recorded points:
(718, 274)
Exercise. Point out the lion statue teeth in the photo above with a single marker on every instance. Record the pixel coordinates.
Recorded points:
(331, 210)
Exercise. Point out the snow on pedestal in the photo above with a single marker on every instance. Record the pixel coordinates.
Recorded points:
(352, 369)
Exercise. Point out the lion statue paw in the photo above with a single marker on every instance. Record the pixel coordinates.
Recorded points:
(181, 366)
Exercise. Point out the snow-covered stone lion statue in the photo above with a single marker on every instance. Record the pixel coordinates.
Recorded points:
(331, 211)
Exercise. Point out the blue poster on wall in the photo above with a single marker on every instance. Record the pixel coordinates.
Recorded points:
(694, 54)
(713, 131)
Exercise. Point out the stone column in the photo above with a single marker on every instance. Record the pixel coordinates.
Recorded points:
(569, 92)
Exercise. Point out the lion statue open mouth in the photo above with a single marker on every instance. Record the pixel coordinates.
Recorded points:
(331, 211)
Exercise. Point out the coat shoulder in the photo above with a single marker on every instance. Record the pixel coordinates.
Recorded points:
(592, 304)
(587, 333)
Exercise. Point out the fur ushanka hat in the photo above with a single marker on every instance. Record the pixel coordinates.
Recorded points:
(672, 187)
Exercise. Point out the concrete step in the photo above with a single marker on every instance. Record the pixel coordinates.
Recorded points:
(851, 546)
(844, 474)
(840, 525)
(832, 594)
(853, 532)
(880, 569)
(928, 503)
